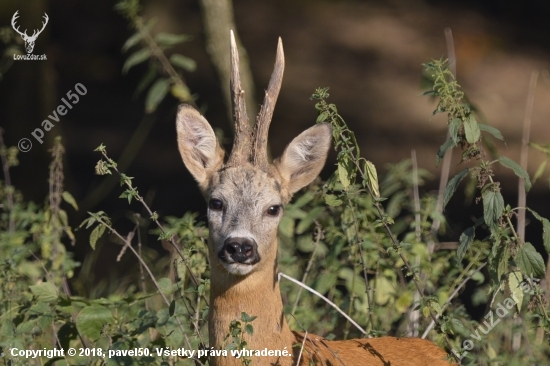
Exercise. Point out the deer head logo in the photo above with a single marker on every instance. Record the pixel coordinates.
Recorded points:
(29, 40)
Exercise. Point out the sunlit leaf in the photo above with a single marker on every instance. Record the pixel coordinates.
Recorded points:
(530, 261)
(471, 129)
(67, 197)
(170, 39)
(514, 280)
(372, 177)
(45, 291)
(91, 320)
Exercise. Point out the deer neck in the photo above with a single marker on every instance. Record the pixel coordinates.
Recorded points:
(257, 294)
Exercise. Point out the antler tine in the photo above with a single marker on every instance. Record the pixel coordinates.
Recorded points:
(241, 147)
(266, 112)
(16, 28)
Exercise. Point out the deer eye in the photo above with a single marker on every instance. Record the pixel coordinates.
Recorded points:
(215, 204)
(274, 210)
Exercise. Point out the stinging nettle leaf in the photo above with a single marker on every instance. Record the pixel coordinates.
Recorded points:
(45, 291)
(156, 94)
(372, 177)
(452, 186)
(466, 239)
(493, 131)
(530, 261)
(67, 197)
(493, 206)
(518, 170)
(545, 230)
(136, 58)
(91, 320)
(454, 127)
(471, 129)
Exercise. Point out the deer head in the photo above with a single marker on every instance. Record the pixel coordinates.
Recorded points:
(29, 40)
(246, 194)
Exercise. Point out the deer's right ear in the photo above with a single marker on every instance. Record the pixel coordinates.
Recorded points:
(198, 145)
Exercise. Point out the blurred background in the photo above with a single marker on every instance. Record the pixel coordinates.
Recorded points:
(368, 52)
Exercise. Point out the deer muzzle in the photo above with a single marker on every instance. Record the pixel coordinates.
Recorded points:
(239, 250)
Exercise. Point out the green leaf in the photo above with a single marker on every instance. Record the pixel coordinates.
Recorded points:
(372, 178)
(518, 170)
(466, 239)
(67, 197)
(530, 261)
(184, 62)
(132, 41)
(91, 320)
(453, 185)
(493, 131)
(147, 79)
(514, 280)
(181, 92)
(450, 143)
(249, 329)
(156, 94)
(170, 39)
(545, 148)
(545, 230)
(454, 127)
(343, 175)
(471, 129)
(135, 59)
(498, 261)
(45, 291)
(493, 206)
(540, 171)
(96, 233)
(332, 200)
(172, 308)
(165, 285)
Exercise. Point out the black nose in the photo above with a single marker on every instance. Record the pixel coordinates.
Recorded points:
(241, 250)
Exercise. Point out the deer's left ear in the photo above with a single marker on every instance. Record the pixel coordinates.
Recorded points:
(305, 156)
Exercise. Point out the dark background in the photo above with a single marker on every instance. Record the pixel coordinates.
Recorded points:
(369, 53)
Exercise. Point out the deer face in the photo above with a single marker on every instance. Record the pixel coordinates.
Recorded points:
(245, 202)
(246, 195)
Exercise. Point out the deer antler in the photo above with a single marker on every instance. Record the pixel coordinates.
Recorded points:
(241, 148)
(46, 18)
(259, 152)
(13, 19)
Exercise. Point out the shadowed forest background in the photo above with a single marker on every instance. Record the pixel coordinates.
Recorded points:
(370, 54)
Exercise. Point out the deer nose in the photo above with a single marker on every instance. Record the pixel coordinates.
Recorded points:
(241, 250)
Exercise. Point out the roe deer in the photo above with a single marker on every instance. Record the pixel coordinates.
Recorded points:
(246, 196)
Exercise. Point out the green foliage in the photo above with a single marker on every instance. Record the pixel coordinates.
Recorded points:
(164, 73)
(235, 338)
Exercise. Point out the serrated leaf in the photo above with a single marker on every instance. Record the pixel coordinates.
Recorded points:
(530, 261)
(45, 291)
(372, 177)
(493, 206)
(343, 176)
(67, 197)
(156, 94)
(165, 285)
(96, 233)
(170, 39)
(452, 186)
(450, 143)
(466, 239)
(136, 58)
(454, 127)
(249, 329)
(545, 230)
(332, 200)
(184, 62)
(471, 129)
(493, 131)
(517, 169)
(91, 320)
(514, 280)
